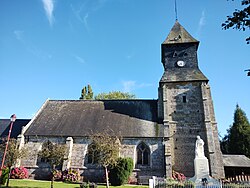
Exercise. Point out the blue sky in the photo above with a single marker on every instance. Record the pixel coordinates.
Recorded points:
(51, 49)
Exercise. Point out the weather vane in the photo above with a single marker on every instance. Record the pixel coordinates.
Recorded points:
(175, 8)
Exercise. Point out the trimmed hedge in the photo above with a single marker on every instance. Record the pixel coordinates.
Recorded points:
(120, 173)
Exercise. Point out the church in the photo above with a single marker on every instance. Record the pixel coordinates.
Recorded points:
(159, 135)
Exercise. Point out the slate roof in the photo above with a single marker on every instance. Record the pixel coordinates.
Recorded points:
(179, 35)
(16, 128)
(236, 161)
(127, 118)
(183, 74)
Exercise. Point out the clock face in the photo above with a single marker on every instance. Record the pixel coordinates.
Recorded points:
(181, 63)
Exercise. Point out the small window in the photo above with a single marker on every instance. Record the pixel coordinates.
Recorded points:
(185, 54)
(184, 99)
(175, 54)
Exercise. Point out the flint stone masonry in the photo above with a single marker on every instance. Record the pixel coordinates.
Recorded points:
(93, 172)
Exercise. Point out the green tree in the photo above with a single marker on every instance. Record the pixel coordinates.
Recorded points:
(224, 144)
(87, 93)
(12, 155)
(115, 95)
(106, 150)
(54, 154)
(238, 139)
(240, 19)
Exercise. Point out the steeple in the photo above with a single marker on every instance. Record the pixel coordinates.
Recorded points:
(179, 57)
(179, 35)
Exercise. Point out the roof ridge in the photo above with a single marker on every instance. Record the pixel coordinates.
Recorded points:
(79, 100)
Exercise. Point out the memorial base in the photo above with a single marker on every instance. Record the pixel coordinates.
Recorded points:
(201, 169)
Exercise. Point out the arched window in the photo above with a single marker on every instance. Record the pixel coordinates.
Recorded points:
(44, 154)
(143, 154)
(92, 154)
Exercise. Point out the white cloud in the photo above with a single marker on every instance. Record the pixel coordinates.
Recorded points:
(19, 34)
(202, 19)
(78, 14)
(131, 85)
(79, 59)
(85, 21)
(202, 23)
(48, 6)
(85, 9)
(29, 46)
(128, 86)
(130, 56)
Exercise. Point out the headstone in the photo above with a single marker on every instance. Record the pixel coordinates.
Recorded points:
(201, 167)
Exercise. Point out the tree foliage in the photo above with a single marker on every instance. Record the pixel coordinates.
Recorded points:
(237, 140)
(87, 93)
(115, 95)
(54, 154)
(240, 19)
(120, 173)
(106, 150)
(13, 153)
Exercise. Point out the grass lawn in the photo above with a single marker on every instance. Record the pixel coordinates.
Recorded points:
(46, 184)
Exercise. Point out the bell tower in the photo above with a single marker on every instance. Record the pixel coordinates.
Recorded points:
(185, 106)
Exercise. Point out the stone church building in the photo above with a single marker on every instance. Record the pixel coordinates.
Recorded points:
(159, 135)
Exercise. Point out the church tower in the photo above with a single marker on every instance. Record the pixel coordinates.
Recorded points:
(185, 106)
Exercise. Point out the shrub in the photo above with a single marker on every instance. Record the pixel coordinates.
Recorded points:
(4, 176)
(19, 173)
(172, 183)
(120, 173)
(71, 175)
(57, 174)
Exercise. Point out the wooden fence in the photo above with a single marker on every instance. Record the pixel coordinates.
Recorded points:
(239, 178)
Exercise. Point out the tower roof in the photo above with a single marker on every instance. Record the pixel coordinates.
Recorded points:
(179, 35)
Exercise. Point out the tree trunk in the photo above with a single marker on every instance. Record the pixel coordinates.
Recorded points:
(107, 176)
(8, 180)
(52, 179)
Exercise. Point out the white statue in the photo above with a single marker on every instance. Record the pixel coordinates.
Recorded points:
(199, 148)
(201, 166)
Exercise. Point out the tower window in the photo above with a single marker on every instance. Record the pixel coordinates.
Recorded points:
(185, 54)
(184, 99)
(175, 54)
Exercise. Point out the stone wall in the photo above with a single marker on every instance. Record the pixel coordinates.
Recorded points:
(36, 168)
(185, 116)
(77, 157)
(214, 152)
